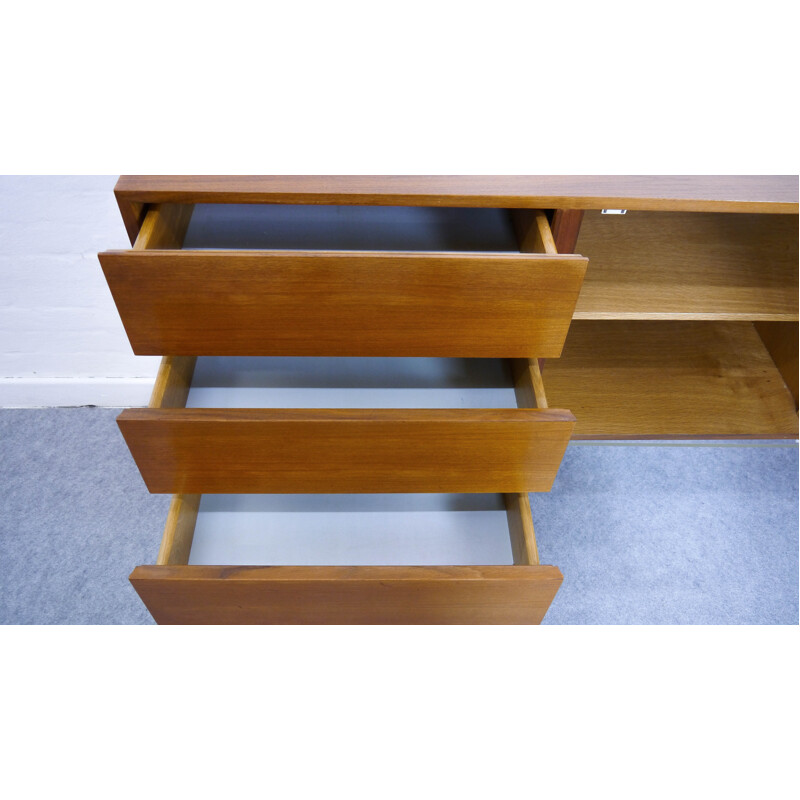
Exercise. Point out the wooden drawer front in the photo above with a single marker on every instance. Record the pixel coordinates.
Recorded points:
(332, 450)
(347, 595)
(324, 303)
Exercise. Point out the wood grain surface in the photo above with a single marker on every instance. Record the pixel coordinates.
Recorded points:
(520, 529)
(322, 450)
(781, 341)
(347, 595)
(566, 228)
(164, 227)
(176, 542)
(173, 381)
(304, 303)
(533, 231)
(670, 380)
(755, 193)
(528, 384)
(649, 265)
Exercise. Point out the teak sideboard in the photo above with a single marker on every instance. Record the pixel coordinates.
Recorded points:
(648, 307)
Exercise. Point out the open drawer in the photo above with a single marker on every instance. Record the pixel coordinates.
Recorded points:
(344, 281)
(281, 425)
(307, 559)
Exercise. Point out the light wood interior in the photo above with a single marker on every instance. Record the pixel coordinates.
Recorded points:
(689, 266)
(670, 380)
(164, 227)
(528, 384)
(533, 231)
(520, 528)
(176, 543)
(173, 381)
(781, 341)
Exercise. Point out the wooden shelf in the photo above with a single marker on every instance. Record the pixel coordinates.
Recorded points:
(684, 266)
(670, 380)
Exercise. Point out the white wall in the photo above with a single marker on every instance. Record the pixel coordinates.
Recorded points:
(61, 340)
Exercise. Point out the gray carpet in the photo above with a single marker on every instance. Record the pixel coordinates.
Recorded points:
(665, 534)
(643, 534)
(76, 518)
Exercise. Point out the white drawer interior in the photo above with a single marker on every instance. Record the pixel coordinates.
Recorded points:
(351, 530)
(324, 227)
(263, 382)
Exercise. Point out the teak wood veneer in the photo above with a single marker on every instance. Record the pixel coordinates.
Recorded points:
(343, 303)
(176, 592)
(347, 595)
(683, 324)
(728, 193)
(681, 266)
(335, 450)
(671, 380)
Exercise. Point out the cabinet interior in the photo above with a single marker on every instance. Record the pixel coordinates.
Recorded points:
(283, 382)
(686, 326)
(703, 266)
(346, 227)
(644, 379)
(351, 530)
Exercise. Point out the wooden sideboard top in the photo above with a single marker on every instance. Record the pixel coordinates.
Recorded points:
(776, 194)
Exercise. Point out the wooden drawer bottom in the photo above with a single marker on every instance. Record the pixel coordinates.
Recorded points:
(179, 590)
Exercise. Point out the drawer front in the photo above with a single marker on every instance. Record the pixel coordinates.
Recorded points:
(329, 303)
(351, 451)
(347, 595)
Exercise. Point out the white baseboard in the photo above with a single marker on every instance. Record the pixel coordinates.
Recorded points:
(49, 392)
